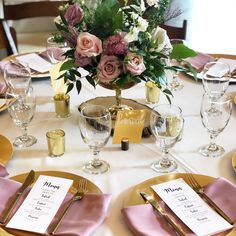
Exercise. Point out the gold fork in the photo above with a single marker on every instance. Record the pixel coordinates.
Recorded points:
(81, 190)
(200, 191)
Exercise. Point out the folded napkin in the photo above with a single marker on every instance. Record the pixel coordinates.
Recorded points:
(199, 61)
(56, 53)
(82, 219)
(3, 171)
(144, 220)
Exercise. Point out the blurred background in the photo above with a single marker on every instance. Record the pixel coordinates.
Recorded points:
(210, 26)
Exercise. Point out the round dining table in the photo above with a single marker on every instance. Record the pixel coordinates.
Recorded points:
(127, 168)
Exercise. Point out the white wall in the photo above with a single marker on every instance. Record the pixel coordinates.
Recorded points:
(211, 24)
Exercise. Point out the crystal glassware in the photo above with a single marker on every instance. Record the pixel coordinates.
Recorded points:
(215, 122)
(166, 123)
(55, 50)
(17, 76)
(95, 130)
(22, 109)
(175, 83)
(215, 79)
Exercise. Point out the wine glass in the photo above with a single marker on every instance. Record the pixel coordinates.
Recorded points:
(214, 122)
(17, 76)
(215, 79)
(55, 50)
(21, 109)
(95, 129)
(166, 124)
(175, 83)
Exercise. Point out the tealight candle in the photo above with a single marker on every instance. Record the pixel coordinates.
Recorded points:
(62, 105)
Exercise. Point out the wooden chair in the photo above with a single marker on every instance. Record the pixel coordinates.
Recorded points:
(26, 10)
(176, 32)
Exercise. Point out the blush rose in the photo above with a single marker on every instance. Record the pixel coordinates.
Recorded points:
(109, 68)
(135, 64)
(88, 45)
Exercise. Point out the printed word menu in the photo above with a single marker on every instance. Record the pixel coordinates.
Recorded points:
(40, 206)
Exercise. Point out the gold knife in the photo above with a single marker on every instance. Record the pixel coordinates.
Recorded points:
(158, 208)
(28, 181)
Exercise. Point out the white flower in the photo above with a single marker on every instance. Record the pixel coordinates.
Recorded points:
(142, 24)
(142, 6)
(58, 20)
(153, 3)
(161, 40)
(132, 35)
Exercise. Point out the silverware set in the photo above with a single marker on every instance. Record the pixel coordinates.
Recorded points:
(193, 183)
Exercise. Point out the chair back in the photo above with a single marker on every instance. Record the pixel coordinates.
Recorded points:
(18, 11)
(176, 32)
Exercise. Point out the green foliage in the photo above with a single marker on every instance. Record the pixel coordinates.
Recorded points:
(180, 51)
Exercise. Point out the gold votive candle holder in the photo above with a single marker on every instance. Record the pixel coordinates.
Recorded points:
(56, 142)
(62, 105)
(152, 92)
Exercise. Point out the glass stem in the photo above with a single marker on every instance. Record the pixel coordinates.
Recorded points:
(213, 145)
(165, 161)
(96, 161)
(24, 133)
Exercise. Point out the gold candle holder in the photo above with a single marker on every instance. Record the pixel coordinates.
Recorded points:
(62, 105)
(152, 92)
(56, 142)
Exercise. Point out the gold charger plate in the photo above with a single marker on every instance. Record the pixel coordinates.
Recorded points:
(6, 150)
(134, 198)
(34, 74)
(91, 187)
(234, 161)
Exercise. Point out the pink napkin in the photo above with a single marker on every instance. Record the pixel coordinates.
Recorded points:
(143, 220)
(3, 171)
(57, 54)
(199, 61)
(82, 219)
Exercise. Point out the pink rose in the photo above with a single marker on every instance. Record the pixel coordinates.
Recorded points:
(74, 14)
(109, 69)
(81, 61)
(135, 64)
(88, 45)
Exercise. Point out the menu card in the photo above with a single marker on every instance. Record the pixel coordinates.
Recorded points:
(190, 208)
(35, 62)
(40, 206)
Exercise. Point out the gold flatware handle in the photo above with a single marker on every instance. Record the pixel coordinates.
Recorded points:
(157, 207)
(215, 207)
(28, 181)
(77, 196)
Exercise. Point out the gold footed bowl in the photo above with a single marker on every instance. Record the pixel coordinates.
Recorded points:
(118, 106)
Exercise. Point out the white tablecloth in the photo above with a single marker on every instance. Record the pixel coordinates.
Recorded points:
(128, 168)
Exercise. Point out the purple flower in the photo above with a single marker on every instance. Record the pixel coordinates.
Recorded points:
(74, 14)
(81, 60)
(116, 45)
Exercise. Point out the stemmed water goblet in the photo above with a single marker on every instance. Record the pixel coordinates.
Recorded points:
(166, 122)
(22, 109)
(95, 130)
(17, 76)
(175, 83)
(56, 50)
(215, 122)
(215, 79)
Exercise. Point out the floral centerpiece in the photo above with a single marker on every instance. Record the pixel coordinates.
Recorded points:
(118, 44)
